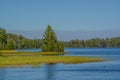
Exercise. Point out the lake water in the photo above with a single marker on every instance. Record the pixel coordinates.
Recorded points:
(86, 71)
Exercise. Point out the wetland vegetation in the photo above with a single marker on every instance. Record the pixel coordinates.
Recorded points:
(12, 59)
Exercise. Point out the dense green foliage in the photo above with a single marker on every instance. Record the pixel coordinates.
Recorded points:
(95, 42)
(5, 43)
(10, 45)
(3, 38)
(50, 43)
(13, 41)
(22, 42)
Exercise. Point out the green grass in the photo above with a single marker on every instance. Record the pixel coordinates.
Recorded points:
(13, 59)
(15, 53)
(6, 51)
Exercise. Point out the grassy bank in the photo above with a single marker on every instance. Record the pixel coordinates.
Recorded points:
(30, 60)
(16, 53)
(8, 51)
(11, 59)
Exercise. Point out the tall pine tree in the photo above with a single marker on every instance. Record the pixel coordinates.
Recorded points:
(50, 43)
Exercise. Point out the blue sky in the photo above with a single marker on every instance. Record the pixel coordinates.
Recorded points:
(65, 16)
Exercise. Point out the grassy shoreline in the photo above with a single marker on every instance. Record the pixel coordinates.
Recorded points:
(18, 53)
(18, 59)
(30, 60)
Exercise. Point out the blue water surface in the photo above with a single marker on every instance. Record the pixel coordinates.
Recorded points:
(109, 70)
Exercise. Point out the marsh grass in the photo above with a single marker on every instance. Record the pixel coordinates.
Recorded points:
(13, 59)
(16, 53)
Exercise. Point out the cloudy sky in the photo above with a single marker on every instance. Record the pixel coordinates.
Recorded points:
(71, 19)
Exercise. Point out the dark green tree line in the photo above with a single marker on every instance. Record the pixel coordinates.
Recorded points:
(50, 42)
(95, 42)
(22, 42)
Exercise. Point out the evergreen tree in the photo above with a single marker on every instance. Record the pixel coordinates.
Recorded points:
(10, 45)
(3, 38)
(50, 43)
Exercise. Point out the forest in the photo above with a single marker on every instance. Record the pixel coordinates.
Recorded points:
(13, 41)
(94, 43)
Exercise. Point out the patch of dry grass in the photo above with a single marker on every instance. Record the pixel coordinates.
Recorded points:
(30, 60)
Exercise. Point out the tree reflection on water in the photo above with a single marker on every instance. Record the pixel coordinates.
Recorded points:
(50, 72)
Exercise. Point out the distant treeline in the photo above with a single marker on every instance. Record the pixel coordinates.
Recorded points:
(13, 41)
(94, 42)
(22, 42)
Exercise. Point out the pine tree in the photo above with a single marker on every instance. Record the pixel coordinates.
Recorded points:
(50, 43)
(3, 38)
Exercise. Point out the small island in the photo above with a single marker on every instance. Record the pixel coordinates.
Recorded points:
(52, 52)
